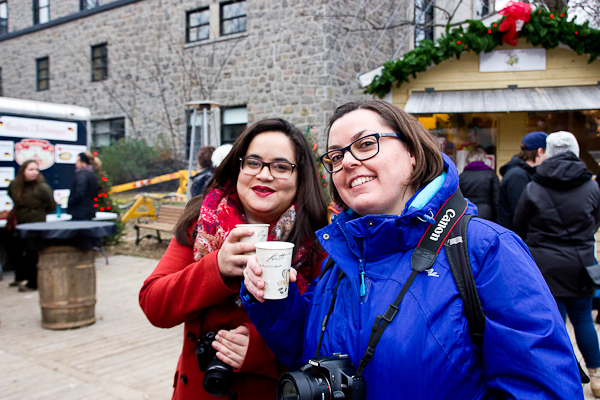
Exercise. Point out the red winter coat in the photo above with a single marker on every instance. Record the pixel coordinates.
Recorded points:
(181, 290)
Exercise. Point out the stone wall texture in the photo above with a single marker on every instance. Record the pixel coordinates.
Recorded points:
(296, 60)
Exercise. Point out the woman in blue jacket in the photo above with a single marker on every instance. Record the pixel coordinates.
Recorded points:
(391, 179)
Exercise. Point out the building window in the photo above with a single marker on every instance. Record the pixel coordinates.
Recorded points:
(99, 62)
(233, 17)
(233, 122)
(423, 20)
(41, 11)
(42, 66)
(108, 131)
(198, 25)
(88, 4)
(3, 17)
(483, 7)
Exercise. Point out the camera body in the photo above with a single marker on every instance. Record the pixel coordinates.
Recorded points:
(326, 377)
(218, 376)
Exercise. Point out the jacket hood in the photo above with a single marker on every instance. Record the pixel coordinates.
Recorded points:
(388, 234)
(516, 162)
(562, 172)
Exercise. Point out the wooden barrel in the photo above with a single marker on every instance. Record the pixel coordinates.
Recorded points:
(67, 287)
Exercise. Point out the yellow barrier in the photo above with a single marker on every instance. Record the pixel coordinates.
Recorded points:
(182, 175)
(143, 205)
(143, 202)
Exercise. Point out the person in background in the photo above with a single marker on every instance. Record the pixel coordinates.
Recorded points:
(206, 170)
(480, 184)
(558, 214)
(390, 178)
(269, 177)
(517, 173)
(84, 188)
(33, 199)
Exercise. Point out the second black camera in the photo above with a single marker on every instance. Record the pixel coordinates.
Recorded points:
(218, 376)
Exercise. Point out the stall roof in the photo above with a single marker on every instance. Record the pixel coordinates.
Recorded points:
(505, 100)
(42, 109)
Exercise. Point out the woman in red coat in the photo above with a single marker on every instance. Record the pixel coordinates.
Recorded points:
(269, 177)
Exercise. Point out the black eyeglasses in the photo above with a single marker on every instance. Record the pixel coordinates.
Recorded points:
(278, 169)
(362, 149)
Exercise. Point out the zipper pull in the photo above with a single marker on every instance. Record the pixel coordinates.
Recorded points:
(363, 290)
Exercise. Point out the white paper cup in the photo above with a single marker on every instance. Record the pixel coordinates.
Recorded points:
(275, 259)
(261, 233)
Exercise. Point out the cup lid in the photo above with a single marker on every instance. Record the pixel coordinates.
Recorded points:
(274, 245)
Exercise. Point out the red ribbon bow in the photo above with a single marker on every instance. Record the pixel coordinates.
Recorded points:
(516, 13)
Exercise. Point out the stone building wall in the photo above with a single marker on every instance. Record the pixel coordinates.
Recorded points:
(293, 61)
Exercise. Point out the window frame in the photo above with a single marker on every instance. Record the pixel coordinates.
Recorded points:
(428, 19)
(485, 8)
(36, 12)
(188, 27)
(104, 65)
(222, 20)
(113, 135)
(38, 70)
(4, 26)
(85, 4)
(240, 127)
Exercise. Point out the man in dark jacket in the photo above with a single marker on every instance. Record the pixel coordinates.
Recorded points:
(83, 189)
(517, 173)
(206, 170)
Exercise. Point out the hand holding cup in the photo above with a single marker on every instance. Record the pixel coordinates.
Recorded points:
(253, 279)
(269, 272)
(232, 256)
(260, 234)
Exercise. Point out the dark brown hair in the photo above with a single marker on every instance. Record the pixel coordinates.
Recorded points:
(204, 155)
(88, 158)
(527, 155)
(20, 180)
(311, 211)
(420, 142)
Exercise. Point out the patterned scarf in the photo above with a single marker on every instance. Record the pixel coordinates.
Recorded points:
(221, 210)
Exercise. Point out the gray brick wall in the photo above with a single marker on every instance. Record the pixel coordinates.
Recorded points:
(282, 66)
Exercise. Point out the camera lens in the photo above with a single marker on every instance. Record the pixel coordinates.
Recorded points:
(289, 391)
(303, 386)
(218, 378)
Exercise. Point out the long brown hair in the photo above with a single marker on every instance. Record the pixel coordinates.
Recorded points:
(420, 142)
(21, 183)
(311, 212)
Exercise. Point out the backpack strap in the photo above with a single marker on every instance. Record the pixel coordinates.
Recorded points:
(458, 258)
(328, 265)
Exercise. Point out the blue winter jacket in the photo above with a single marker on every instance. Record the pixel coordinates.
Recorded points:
(427, 352)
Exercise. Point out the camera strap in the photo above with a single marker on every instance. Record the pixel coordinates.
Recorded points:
(422, 259)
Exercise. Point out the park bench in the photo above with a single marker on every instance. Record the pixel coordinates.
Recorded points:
(165, 221)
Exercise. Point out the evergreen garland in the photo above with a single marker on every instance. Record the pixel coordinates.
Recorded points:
(545, 29)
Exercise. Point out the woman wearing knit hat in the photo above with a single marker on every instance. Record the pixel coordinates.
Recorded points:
(558, 214)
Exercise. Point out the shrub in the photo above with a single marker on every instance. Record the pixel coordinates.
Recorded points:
(133, 159)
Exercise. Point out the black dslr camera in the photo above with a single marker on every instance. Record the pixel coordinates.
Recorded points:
(326, 377)
(218, 376)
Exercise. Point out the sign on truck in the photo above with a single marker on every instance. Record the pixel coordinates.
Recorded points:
(52, 134)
